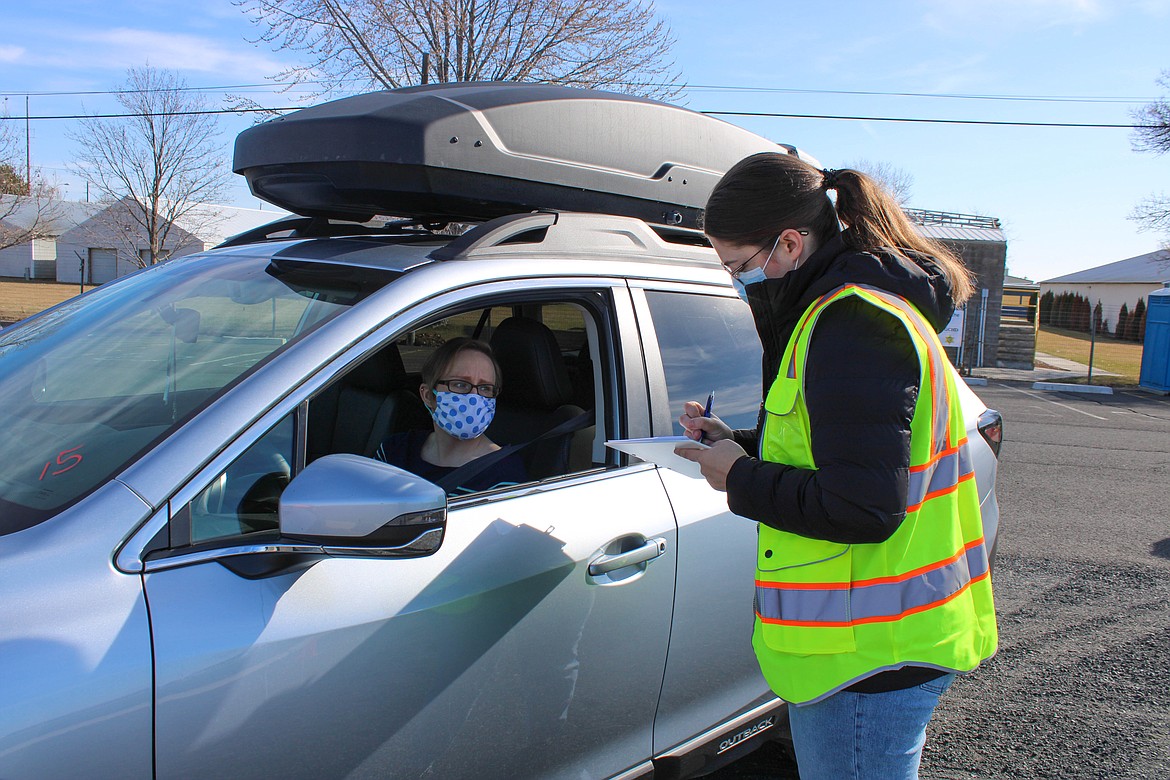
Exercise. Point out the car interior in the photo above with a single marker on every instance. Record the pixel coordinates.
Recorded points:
(548, 385)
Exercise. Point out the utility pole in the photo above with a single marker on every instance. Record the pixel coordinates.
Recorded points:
(426, 67)
(27, 149)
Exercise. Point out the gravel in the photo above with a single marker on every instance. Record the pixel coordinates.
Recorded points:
(1079, 688)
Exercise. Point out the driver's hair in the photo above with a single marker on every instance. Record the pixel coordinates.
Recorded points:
(441, 359)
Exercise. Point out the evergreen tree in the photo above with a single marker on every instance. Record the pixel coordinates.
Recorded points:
(1139, 321)
(1083, 313)
(1122, 322)
(1047, 303)
(1060, 311)
(11, 182)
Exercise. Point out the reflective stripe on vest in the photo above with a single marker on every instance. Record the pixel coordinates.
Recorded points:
(940, 476)
(871, 601)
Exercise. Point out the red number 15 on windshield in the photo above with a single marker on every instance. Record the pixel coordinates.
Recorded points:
(66, 459)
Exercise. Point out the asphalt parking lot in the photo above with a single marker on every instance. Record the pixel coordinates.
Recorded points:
(1080, 687)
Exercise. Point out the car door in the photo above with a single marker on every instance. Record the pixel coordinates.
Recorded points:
(700, 340)
(500, 655)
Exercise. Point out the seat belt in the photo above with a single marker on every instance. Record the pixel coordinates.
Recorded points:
(476, 467)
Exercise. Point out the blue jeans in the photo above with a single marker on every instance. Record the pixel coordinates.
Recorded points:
(865, 736)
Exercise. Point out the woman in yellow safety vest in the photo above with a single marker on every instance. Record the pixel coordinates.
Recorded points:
(872, 582)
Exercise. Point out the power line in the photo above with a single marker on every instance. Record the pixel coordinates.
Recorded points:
(765, 114)
(84, 93)
(131, 114)
(936, 121)
(946, 95)
(682, 86)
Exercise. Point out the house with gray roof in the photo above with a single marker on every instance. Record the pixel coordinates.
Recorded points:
(1114, 284)
(111, 243)
(97, 242)
(37, 259)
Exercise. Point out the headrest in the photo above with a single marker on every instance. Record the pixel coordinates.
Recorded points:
(534, 373)
(382, 372)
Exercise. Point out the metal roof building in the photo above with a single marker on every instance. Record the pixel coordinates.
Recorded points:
(981, 243)
(949, 226)
(1151, 268)
(1113, 285)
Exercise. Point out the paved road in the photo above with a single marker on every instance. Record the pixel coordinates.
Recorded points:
(1080, 686)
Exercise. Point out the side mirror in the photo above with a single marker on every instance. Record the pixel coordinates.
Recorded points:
(354, 506)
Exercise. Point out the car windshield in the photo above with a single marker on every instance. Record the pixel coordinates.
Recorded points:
(89, 386)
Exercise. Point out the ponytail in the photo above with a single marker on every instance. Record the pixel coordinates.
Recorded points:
(876, 220)
(768, 192)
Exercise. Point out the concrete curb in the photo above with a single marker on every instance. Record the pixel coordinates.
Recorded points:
(1068, 388)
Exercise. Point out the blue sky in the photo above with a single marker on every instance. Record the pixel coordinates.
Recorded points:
(1063, 194)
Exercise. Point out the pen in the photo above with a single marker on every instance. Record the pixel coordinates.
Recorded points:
(707, 412)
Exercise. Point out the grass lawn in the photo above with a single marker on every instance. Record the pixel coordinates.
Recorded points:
(1119, 357)
(20, 299)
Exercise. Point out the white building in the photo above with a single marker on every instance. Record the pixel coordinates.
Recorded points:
(110, 244)
(37, 259)
(1113, 284)
(97, 242)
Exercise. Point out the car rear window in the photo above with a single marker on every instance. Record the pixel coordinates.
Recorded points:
(708, 344)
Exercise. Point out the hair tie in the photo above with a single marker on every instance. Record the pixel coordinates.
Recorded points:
(830, 178)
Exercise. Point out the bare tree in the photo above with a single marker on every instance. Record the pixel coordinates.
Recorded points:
(1152, 134)
(898, 181)
(28, 209)
(164, 164)
(382, 44)
(1153, 213)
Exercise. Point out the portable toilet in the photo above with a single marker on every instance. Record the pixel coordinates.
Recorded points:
(1156, 352)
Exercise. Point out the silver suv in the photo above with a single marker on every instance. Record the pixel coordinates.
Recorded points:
(206, 574)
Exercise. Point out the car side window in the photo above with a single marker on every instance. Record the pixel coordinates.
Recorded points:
(708, 344)
(547, 351)
(245, 496)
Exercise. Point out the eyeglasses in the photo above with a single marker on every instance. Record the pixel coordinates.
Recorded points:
(463, 388)
(744, 264)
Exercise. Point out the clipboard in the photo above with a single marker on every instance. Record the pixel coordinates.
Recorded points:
(659, 450)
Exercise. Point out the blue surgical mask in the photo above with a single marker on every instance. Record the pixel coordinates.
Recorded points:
(741, 282)
(745, 278)
(463, 415)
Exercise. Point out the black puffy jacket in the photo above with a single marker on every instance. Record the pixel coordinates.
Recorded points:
(861, 383)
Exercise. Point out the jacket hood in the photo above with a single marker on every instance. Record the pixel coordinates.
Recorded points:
(778, 303)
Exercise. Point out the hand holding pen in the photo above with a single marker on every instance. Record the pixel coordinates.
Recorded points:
(715, 461)
(701, 424)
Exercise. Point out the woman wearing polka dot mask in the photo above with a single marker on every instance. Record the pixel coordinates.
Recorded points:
(461, 380)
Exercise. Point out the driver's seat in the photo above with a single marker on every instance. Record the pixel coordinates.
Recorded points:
(536, 396)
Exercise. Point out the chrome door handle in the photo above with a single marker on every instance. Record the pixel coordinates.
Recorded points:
(603, 564)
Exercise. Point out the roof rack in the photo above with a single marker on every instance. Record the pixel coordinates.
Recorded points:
(322, 227)
(577, 234)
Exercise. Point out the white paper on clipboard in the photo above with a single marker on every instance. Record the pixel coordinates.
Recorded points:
(660, 451)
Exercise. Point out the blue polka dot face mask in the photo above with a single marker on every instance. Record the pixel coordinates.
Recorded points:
(463, 415)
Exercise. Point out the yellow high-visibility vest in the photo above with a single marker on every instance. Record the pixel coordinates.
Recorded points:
(830, 614)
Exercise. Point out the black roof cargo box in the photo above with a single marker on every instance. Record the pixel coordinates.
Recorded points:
(473, 151)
